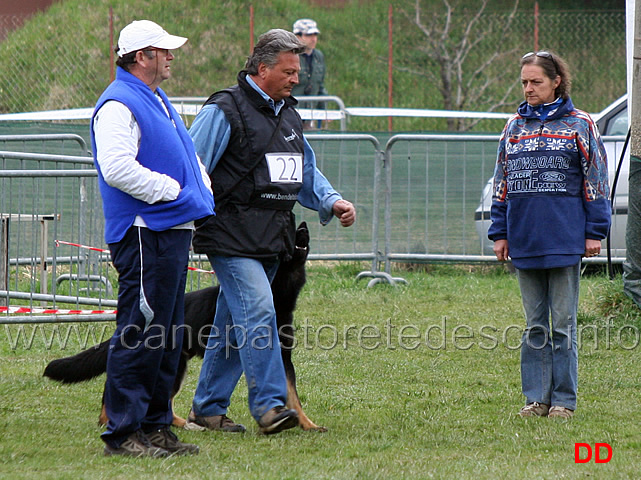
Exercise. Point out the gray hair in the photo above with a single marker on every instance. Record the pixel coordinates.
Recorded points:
(270, 45)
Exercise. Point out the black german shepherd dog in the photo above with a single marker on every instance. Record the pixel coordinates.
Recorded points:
(200, 307)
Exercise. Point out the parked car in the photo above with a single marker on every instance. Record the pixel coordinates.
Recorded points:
(613, 126)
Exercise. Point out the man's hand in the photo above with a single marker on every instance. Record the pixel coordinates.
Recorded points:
(345, 212)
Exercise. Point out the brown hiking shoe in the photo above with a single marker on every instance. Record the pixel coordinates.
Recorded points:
(137, 445)
(560, 412)
(167, 440)
(535, 409)
(215, 422)
(278, 419)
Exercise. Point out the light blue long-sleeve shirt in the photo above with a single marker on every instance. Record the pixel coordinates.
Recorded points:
(211, 131)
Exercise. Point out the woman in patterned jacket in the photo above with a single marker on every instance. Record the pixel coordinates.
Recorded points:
(550, 208)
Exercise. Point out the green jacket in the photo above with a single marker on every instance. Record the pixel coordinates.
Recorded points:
(311, 82)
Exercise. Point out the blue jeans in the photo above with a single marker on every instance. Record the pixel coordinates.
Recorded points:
(244, 338)
(549, 363)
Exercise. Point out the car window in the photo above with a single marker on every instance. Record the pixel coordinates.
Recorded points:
(618, 124)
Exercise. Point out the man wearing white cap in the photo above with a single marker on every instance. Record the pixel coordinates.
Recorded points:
(311, 78)
(153, 188)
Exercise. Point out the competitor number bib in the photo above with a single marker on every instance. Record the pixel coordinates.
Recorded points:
(285, 167)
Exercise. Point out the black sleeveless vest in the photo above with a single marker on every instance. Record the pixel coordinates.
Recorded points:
(257, 179)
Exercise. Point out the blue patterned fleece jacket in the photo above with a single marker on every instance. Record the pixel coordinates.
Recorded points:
(550, 186)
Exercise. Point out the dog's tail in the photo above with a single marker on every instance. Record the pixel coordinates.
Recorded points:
(78, 368)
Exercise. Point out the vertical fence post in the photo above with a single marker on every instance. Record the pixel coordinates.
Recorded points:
(4, 256)
(536, 26)
(251, 29)
(390, 63)
(112, 74)
(44, 234)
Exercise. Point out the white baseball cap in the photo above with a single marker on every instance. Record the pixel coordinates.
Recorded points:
(145, 33)
(305, 26)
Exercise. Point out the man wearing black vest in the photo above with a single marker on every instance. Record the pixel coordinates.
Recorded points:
(250, 139)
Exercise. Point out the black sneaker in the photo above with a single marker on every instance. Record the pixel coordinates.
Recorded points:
(137, 445)
(278, 419)
(216, 422)
(167, 440)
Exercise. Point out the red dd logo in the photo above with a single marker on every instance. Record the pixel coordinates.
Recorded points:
(588, 452)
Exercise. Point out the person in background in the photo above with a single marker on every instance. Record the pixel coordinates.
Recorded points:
(311, 79)
(153, 188)
(250, 138)
(550, 208)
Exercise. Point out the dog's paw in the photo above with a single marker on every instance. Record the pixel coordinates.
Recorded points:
(312, 427)
(193, 427)
(179, 422)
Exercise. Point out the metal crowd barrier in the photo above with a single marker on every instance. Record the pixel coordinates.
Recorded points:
(433, 185)
(416, 200)
(354, 169)
(51, 204)
(45, 197)
(49, 143)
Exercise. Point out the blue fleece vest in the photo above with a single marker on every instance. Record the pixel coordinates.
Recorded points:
(165, 147)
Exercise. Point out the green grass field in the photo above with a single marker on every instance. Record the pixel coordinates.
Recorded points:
(419, 381)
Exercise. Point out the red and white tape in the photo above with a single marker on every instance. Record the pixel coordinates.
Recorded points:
(56, 311)
(60, 242)
(52, 311)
